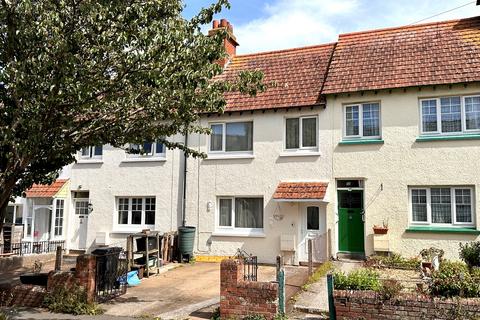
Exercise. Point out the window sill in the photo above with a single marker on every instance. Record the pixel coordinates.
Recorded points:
(153, 159)
(229, 156)
(242, 234)
(421, 229)
(132, 229)
(361, 141)
(448, 137)
(85, 161)
(300, 154)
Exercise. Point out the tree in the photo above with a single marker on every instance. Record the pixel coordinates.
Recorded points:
(78, 73)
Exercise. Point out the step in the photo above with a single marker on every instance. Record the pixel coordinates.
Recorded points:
(354, 256)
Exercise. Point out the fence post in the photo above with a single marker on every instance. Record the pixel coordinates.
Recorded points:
(59, 259)
(281, 291)
(331, 304)
(310, 257)
(279, 265)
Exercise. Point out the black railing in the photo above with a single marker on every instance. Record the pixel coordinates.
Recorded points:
(111, 276)
(250, 265)
(28, 247)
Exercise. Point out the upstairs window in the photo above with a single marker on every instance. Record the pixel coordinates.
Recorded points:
(301, 133)
(442, 205)
(92, 152)
(147, 150)
(450, 115)
(362, 120)
(231, 137)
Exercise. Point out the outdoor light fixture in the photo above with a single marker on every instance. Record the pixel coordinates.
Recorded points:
(90, 207)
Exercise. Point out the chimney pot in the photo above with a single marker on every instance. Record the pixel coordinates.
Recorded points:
(215, 24)
(223, 23)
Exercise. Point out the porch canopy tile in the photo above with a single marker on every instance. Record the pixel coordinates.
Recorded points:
(300, 191)
(46, 191)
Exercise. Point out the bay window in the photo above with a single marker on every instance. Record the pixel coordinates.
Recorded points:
(231, 137)
(362, 120)
(450, 115)
(301, 133)
(136, 211)
(442, 205)
(240, 212)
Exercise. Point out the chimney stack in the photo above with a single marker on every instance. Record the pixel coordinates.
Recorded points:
(230, 42)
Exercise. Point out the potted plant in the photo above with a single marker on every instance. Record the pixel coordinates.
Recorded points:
(383, 229)
(428, 255)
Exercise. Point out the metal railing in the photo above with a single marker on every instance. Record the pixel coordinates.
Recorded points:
(110, 276)
(250, 265)
(29, 247)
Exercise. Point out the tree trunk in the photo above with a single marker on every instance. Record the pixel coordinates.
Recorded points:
(3, 213)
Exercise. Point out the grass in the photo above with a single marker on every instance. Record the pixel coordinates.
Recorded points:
(318, 274)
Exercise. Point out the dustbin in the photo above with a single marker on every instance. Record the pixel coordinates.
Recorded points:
(107, 267)
(186, 236)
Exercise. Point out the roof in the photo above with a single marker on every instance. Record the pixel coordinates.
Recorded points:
(445, 52)
(298, 75)
(45, 191)
(300, 191)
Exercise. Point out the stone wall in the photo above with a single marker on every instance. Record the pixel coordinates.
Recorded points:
(239, 298)
(367, 305)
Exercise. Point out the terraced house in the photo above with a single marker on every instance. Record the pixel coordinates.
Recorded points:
(380, 128)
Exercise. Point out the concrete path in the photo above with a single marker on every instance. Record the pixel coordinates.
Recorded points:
(314, 300)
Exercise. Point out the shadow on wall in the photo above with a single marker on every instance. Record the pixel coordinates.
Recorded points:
(357, 148)
(142, 164)
(439, 236)
(297, 159)
(226, 162)
(445, 144)
(86, 165)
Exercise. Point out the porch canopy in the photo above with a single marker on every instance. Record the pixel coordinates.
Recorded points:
(301, 192)
(45, 191)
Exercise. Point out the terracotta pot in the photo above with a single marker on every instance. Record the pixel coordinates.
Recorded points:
(380, 230)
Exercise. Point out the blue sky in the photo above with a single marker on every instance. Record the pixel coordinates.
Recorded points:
(280, 24)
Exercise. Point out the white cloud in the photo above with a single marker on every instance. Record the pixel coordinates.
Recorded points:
(293, 23)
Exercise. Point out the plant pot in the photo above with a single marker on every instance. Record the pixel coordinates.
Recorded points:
(380, 230)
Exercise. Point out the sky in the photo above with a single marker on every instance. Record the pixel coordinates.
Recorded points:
(281, 24)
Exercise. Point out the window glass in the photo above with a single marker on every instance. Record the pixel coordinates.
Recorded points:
(137, 210)
(123, 211)
(352, 121)
(239, 136)
(441, 205)
(58, 229)
(81, 207)
(472, 113)
(85, 152)
(292, 138)
(216, 138)
(313, 218)
(248, 212)
(98, 150)
(419, 205)
(429, 115)
(463, 204)
(147, 148)
(159, 147)
(225, 213)
(19, 214)
(451, 112)
(371, 119)
(150, 211)
(309, 132)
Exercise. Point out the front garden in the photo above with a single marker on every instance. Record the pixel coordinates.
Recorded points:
(427, 286)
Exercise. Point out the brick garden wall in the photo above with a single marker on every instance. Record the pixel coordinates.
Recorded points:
(367, 305)
(239, 298)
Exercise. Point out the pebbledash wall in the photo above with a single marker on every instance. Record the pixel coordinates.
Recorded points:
(116, 175)
(390, 168)
(257, 174)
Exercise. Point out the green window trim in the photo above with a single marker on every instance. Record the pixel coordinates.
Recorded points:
(422, 229)
(361, 141)
(448, 137)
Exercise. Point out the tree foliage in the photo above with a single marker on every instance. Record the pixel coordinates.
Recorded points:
(76, 73)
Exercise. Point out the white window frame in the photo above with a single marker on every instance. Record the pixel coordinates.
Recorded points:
(54, 219)
(360, 121)
(148, 156)
(463, 118)
(232, 230)
(16, 209)
(91, 154)
(453, 207)
(75, 200)
(224, 138)
(301, 148)
(129, 226)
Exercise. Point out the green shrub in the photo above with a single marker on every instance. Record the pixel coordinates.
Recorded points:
(454, 279)
(71, 301)
(319, 273)
(360, 279)
(216, 314)
(470, 253)
(390, 289)
(394, 260)
(3, 316)
(254, 317)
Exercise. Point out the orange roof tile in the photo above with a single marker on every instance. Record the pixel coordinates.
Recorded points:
(45, 191)
(434, 53)
(298, 75)
(301, 190)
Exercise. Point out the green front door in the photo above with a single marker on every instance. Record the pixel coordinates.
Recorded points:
(350, 221)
